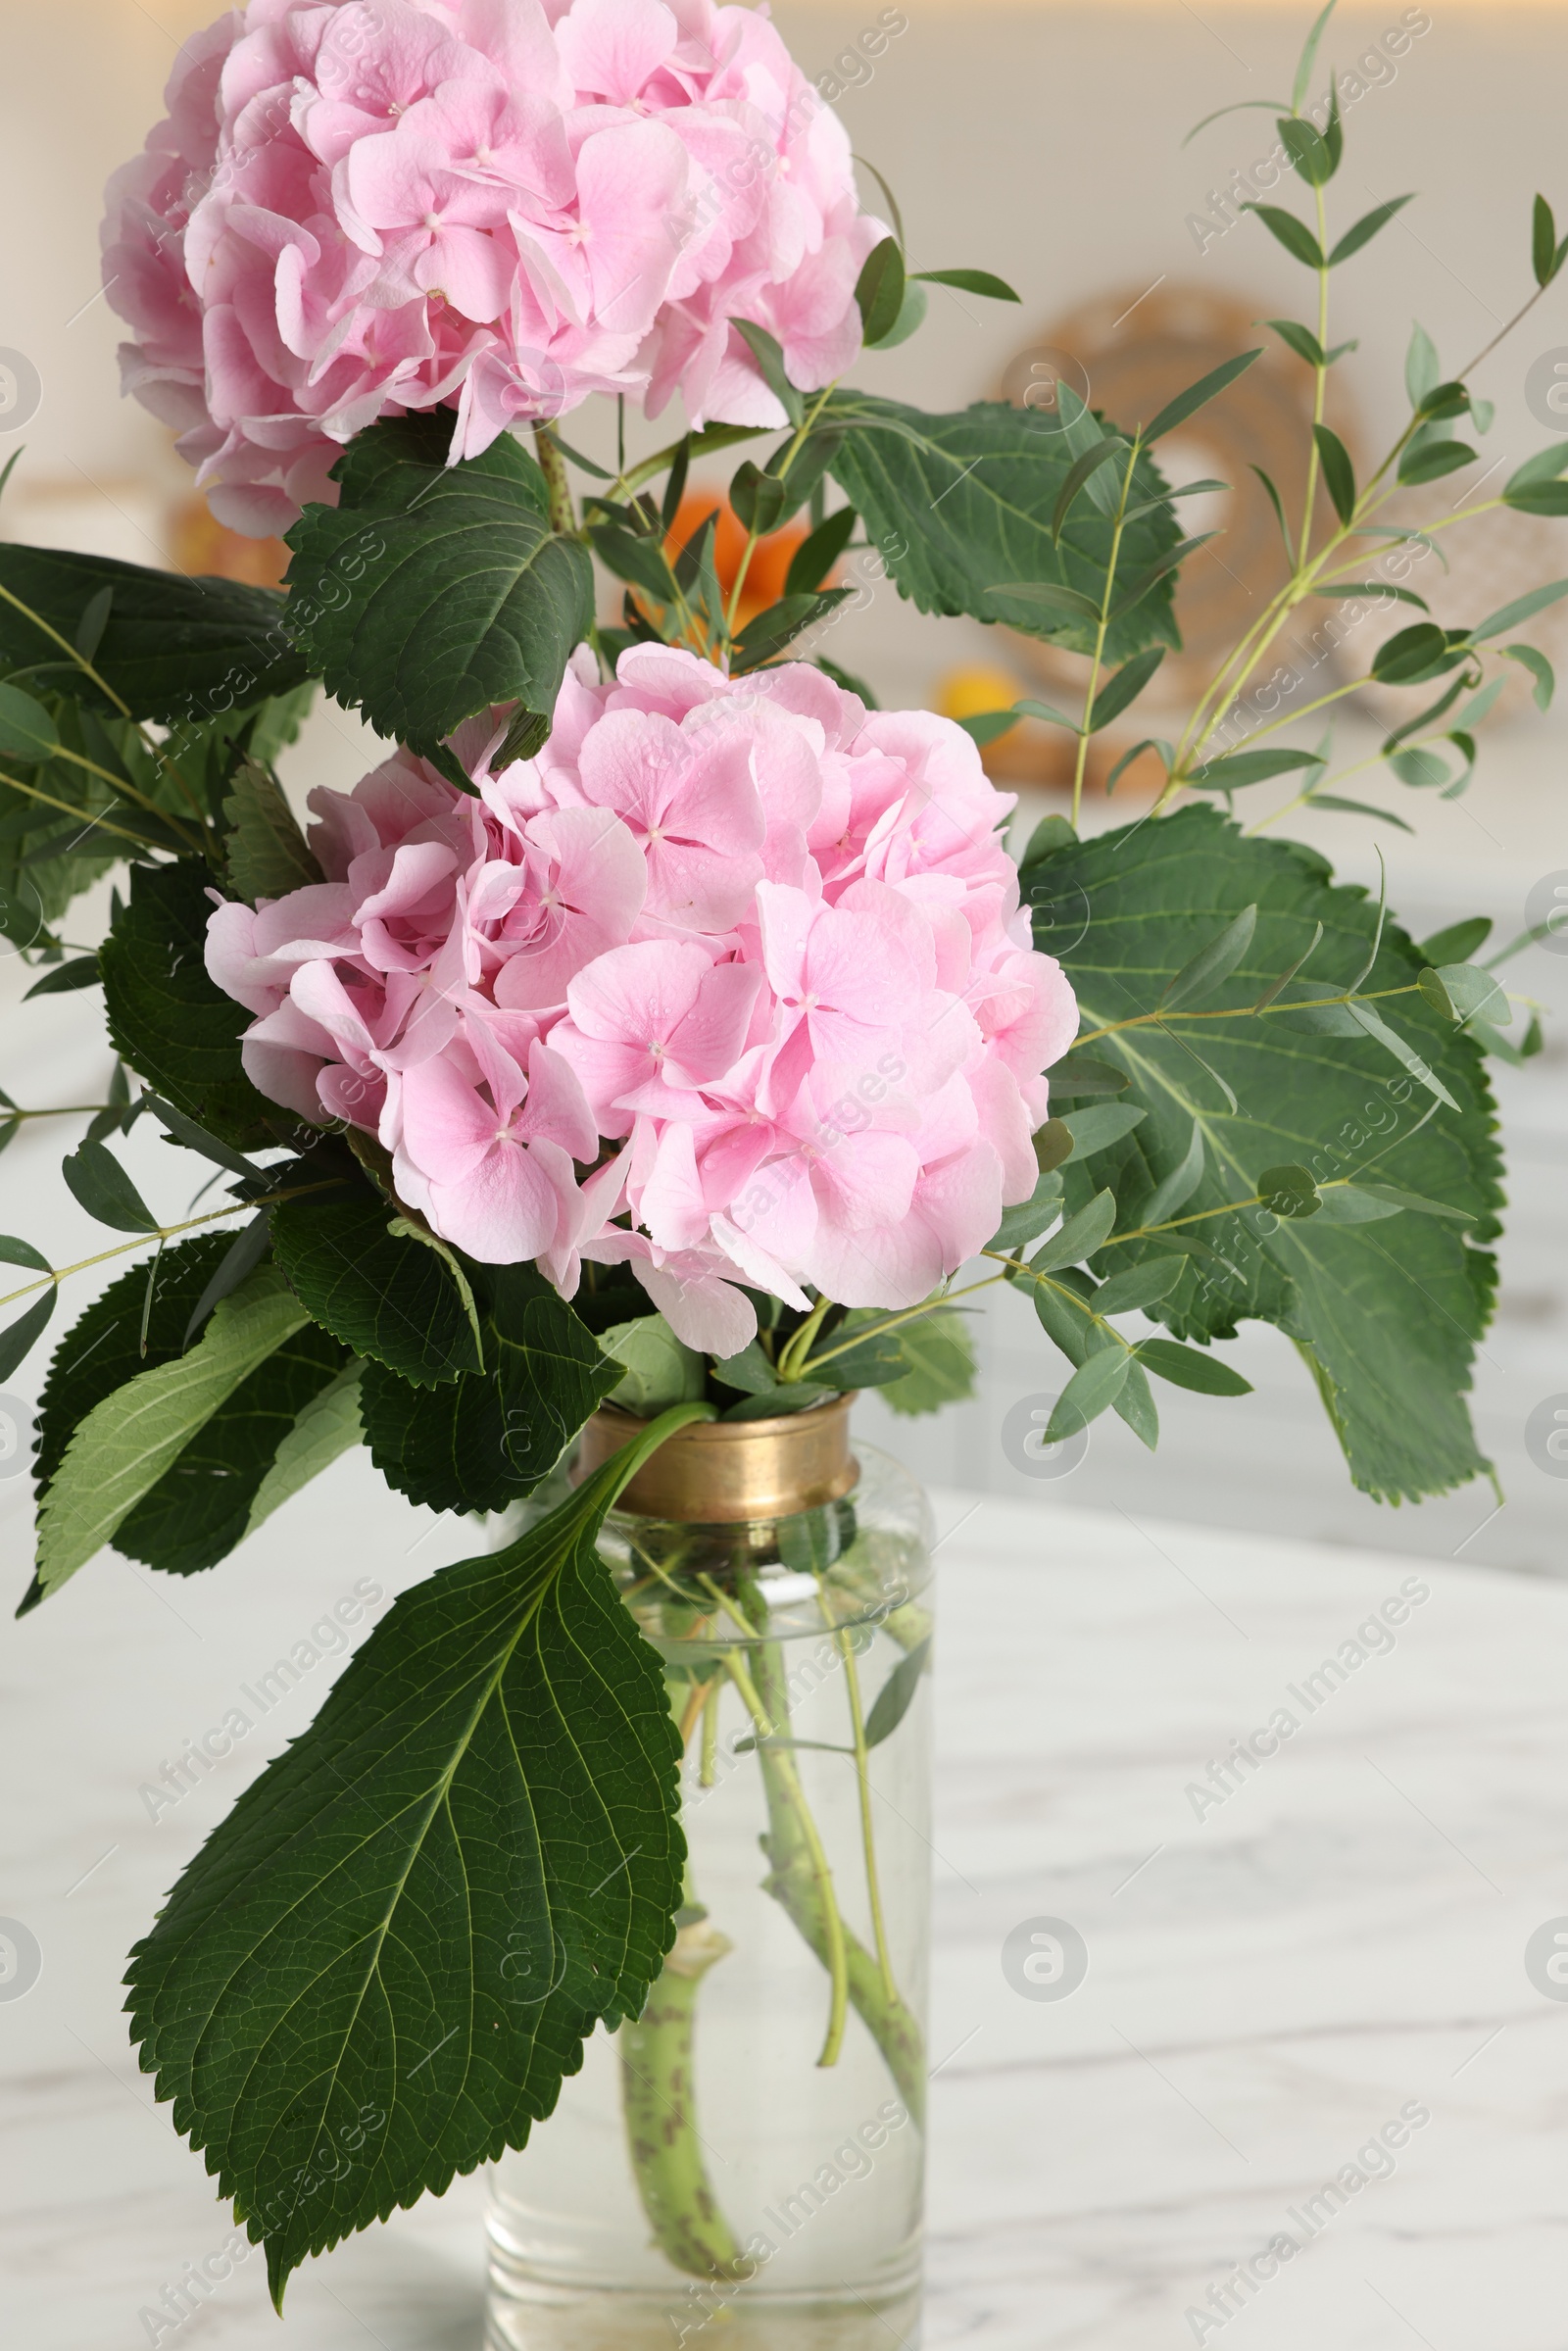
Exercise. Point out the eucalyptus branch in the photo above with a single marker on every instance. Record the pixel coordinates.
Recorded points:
(89, 822)
(1316, 1004)
(1092, 687)
(162, 1233)
(802, 434)
(155, 750)
(891, 1322)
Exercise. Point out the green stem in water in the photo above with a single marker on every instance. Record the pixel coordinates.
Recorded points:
(795, 1885)
(805, 1848)
(657, 2090)
(862, 1774)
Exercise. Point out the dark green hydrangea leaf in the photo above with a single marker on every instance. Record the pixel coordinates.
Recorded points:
(391, 1298)
(1387, 1313)
(379, 1968)
(200, 1507)
(487, 1438)
(172, 648)
(431, 592)
(963, 506)
(168, 1021)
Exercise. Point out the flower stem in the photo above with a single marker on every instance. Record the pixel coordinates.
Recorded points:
(862, 1774)
(658, 2092)
(809, 1901)
(553, 466)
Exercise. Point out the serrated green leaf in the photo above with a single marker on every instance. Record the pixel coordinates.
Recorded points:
(431, 592)
(961, 507)
(266, 854)
(1459, 942)
(381, 1293)
(204, 1502)
(126, 1442)
(324, 1428)
(1392, 1311)
(406, 1981)
(660, 1369)
(168, 1021)
(486, 1439)
(171, 649)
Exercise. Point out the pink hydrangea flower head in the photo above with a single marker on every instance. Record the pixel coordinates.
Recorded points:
(491, 206)
(730, 985)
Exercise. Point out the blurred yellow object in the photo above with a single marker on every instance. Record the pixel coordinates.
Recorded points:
(967, 693)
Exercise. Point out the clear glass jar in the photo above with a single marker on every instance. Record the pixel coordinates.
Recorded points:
(749, 2156)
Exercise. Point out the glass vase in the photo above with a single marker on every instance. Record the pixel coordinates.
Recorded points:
(745, 2162)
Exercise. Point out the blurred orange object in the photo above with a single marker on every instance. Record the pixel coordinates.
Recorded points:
(765, 578)
(203, 546)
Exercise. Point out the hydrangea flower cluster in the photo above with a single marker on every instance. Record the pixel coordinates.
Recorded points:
(496, 206)
(730, 983)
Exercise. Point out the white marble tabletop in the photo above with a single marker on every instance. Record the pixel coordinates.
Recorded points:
(1284, 1959)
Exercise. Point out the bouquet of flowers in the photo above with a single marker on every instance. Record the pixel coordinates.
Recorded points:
(661, 1021)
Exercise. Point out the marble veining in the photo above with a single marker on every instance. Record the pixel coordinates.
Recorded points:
(1280, 1965)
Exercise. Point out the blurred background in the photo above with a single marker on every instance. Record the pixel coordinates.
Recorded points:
(1042, 140)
